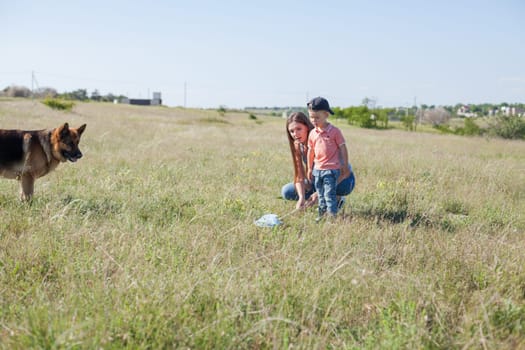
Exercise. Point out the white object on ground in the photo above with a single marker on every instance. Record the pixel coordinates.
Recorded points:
(268, 220)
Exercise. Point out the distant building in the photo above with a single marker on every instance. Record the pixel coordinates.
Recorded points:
(140, 101)
(464, 111)
(155, 101)
(512, 111)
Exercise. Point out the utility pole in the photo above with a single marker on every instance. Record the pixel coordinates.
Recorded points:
(34, 83)
(418, 113)
(185, 94)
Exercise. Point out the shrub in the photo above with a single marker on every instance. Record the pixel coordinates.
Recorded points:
(360, 116)
(58, 104)
(17, 91)
(408, 121)
(45, 92)
(436, 116)
(444, 128)
(222, 110)
(508, 127)
(471, 128)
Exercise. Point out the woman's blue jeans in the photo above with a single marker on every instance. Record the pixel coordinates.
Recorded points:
(344, 188)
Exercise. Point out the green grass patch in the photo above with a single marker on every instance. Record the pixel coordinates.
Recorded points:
(149, 241)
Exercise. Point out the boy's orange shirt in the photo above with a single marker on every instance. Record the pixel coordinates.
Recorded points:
(325, 144)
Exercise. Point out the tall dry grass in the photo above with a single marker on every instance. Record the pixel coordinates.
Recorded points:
(149, 241)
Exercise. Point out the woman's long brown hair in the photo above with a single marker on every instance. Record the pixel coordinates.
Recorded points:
(298, 166)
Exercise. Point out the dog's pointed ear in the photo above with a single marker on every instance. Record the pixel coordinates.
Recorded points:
(64, 130)
(81, 129)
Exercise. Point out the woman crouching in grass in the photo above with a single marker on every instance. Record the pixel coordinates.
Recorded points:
(298, 127)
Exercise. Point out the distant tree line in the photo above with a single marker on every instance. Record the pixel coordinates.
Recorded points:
(505, 120)
(47, 92)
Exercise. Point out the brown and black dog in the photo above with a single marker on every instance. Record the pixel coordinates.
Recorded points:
(26, 155)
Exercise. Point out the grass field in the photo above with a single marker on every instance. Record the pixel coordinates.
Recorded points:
(149, 242)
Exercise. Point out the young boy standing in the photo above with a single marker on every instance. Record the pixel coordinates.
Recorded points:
(326, 151)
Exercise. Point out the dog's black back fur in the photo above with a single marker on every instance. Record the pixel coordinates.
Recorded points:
(11, 147)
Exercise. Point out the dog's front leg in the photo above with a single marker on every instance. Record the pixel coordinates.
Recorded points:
(27, 183)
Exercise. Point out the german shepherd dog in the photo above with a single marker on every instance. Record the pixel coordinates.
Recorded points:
(26, 155)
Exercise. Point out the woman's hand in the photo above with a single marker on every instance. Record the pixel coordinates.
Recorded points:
(300, 204)
(311, 201)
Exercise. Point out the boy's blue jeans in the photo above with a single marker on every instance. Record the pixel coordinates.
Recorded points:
(325, 185)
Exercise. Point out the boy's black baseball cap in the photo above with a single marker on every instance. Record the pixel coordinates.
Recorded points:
(319, 104)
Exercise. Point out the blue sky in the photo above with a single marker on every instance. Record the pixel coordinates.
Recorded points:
(270, 53)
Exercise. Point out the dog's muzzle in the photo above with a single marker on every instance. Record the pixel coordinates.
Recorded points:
(72, 157)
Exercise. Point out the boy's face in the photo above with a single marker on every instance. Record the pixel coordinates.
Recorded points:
(318, 118)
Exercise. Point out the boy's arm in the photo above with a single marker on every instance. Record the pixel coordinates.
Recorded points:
(345, 172)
